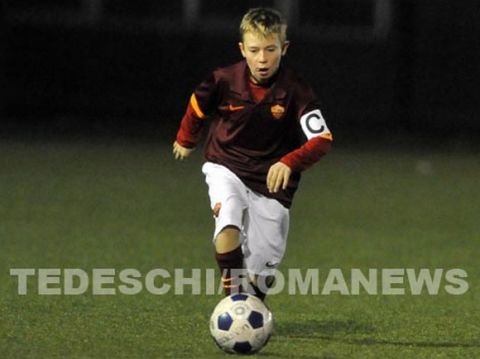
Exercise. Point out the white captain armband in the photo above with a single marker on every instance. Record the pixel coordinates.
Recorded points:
(313, 124)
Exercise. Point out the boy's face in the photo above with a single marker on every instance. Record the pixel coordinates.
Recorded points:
(263, 55)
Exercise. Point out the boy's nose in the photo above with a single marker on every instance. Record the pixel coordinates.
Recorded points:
(262, 58)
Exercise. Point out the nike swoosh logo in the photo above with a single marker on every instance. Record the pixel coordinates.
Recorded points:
(235, 108)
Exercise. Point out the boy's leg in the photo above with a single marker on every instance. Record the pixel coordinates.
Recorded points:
(228, 203)
(227, 240)
(260, 284)
(266, 227)
(229, 257)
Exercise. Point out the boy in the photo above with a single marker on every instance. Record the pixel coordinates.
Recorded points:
(266, 127)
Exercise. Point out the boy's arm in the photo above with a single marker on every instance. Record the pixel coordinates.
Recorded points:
(180, 152)
(297, 161)
(194, 118)
(319, 142)
(191, 126)
(307, 155)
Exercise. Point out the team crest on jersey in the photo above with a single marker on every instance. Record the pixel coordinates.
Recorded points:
(277, 111)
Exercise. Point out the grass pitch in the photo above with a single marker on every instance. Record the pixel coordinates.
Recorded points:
(129, 205)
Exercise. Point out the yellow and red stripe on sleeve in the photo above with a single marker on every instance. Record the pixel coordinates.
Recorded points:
(191, 126)
(196, 108)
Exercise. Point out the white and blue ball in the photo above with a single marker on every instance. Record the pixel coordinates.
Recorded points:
(241, 323)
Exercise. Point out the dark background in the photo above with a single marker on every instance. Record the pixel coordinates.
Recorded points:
(127, 68)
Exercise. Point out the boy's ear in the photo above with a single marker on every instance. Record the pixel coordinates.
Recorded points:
(285, 46)
(242, 48)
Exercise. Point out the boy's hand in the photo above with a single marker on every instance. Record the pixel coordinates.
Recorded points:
(277, 177)
(181, 152)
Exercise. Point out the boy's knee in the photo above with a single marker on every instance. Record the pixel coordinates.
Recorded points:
(228, 239)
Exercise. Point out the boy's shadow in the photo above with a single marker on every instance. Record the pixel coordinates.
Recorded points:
(322, 328)
(342, 330)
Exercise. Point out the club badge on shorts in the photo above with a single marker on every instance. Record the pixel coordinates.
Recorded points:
(216, 209)
(277, 111)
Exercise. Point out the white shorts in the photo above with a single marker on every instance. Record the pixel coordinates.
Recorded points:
(263, 222)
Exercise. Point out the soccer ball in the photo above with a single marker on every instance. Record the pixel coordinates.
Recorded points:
(241, 323)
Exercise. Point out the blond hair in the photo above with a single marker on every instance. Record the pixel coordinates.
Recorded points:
(264, 22)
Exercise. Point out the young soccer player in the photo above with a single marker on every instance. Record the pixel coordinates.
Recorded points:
(265, 129)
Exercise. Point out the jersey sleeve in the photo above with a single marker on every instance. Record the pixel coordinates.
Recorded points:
(200, 106)
(318, 137)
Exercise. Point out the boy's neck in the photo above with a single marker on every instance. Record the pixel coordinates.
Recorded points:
(266, 84)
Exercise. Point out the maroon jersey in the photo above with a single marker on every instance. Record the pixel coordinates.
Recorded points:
(247, 136)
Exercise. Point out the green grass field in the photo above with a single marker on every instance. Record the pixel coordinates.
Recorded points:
(129, 205)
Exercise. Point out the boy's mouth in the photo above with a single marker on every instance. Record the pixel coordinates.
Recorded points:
(263, 71)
